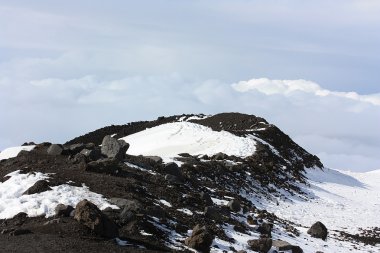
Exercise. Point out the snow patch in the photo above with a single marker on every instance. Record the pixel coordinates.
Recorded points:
(13, 151)
(13, 202)
(169, 140)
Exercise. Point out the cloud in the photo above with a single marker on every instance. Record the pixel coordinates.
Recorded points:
(289, 87)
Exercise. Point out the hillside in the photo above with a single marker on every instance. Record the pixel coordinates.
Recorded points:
(228, 182)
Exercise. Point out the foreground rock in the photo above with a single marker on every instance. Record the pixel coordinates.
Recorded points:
(114, 148)
(281, 245)
(318, 230)
(89, 215)
(38, 187)
(260, 245)
(201, 239)
(55, 149)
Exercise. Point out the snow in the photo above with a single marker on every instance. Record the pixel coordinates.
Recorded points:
(166, 203)
(13, 151)
(185, 211)
(12, 201)
(169, 140)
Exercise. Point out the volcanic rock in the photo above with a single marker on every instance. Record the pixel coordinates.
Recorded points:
(200, 239)
(89, 215)
(63, 210)
(318, 230)
(260, 245)
(114, 148)
(234, 205)
(55, 149)
(39, 186)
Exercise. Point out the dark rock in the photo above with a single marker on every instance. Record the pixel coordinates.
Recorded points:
(260, 245)
(234, 205)
(220, 156)
(63, 210)
(20, 231)
(108, 165)
(55, 149)
(89, 215)
(318, 230)
(128, 204)
(200, 239)
(76, 148)
(156, 159)
(156, 211)
(92, 154)
(265, 229)
(172, 169)
(206, 198)
(39, 186)
(114, 148)
(180, 228)
(172, 179)
(214, 213)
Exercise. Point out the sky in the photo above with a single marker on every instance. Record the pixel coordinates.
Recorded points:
(309, 67)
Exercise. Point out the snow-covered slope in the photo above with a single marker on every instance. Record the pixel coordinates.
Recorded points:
(13, 151)
(169, 140)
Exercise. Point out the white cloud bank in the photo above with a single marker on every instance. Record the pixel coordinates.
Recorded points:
(289, 87)
(340, 127)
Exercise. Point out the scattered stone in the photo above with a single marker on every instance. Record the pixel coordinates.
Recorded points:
(200, 239)
(89, 215)
(318, 230)
(156, 159)
(92, 154)
(63, 210)
(114, 148)
(55, 149)
(214, 213)
(260, 245)
(206, 198)
(234, 205)
(265, 229)
(38, 187)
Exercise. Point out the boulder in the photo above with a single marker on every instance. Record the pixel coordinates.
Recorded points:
(265, 229)
(318, 230)
(76, 148)
(281, 245)
(156, 159)
(39, 186)
(108, 165)
(234, 205)
(128, 204)
(63, 210)
(172, 169)
(220, 156)
(89, 215)
(91, 154)
(114, 148)
(200, 239)
(55, 149)
(260, 245)
(251, 220)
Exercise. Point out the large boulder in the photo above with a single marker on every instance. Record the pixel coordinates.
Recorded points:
(89, 215)
(260, 245)
(91, 154)
(114, 148)
(318, 230)
(200, 239)
(281, 245)
(55, 149)
(38, 187)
